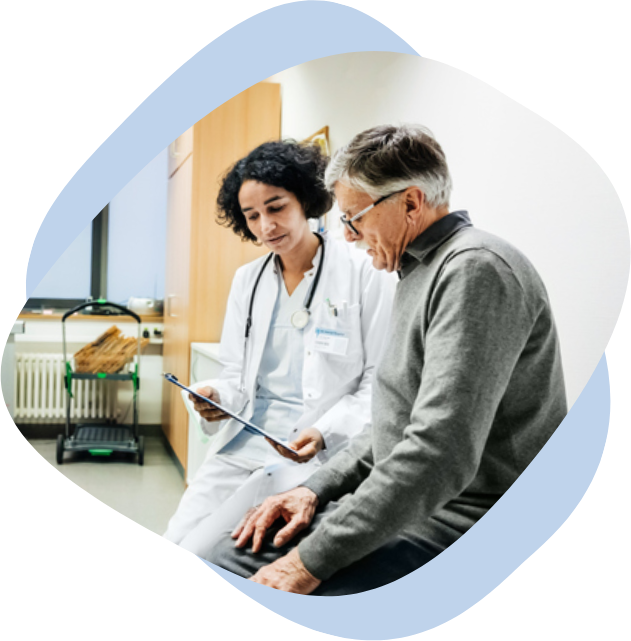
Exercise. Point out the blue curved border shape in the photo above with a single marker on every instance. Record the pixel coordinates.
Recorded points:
(541, 499)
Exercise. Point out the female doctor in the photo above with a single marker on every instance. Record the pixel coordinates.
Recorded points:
(302, 334)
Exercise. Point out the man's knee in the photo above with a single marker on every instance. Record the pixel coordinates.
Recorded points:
(222, 552)
(242, 561)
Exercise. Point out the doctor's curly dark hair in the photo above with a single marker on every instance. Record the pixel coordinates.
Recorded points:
(298, 168)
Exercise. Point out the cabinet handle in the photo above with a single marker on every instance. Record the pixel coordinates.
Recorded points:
(170, 298)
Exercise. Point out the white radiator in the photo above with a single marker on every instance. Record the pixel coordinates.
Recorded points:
(40, 394)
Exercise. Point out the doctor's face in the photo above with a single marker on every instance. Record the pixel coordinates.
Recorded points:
(274, 215)
(381, 231)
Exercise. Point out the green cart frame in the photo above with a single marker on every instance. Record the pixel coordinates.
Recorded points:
(101, 438)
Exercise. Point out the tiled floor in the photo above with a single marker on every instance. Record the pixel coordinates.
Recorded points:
(149, 494)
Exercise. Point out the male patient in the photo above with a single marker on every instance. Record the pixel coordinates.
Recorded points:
(469, 390)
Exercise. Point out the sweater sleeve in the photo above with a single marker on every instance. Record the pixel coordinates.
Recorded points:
(478, 324)
(345, 472)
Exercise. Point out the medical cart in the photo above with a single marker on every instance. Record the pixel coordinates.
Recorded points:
(101, 438)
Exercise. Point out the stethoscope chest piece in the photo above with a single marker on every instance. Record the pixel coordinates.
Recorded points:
(300, 319)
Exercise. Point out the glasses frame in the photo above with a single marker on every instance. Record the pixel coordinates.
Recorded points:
(348, 222)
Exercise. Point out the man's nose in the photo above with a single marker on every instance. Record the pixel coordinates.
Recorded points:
(349, 236)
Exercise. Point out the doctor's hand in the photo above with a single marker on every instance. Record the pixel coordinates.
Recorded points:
(309, 442)
(296, 507)
(205, 410)
(288, 574)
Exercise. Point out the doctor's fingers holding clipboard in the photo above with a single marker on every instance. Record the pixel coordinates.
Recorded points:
(309, 442)
(207, 412)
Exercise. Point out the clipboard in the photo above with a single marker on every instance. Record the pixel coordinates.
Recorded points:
(249, 427)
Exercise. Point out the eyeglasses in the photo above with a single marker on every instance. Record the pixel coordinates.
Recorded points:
(348, 222)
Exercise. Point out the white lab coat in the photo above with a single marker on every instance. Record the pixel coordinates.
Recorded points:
(336, 388)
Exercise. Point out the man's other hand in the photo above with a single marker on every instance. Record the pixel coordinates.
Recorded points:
(296, 507)
(287, 574)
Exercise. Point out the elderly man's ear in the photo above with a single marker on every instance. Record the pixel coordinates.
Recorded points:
(414, 201)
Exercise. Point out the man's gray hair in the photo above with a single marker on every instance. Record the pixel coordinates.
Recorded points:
(386, 159)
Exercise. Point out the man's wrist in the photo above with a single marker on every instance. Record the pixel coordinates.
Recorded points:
(302, 567)
(311, 493)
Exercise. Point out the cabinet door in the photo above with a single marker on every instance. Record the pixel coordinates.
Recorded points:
(221, 138)
(201, 255)
(176, 307)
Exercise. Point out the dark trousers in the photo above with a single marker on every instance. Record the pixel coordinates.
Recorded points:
(392, 561)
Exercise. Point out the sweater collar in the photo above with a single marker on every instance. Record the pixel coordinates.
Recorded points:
(431, 239)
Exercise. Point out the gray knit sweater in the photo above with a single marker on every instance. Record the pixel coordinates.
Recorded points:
(469, 390)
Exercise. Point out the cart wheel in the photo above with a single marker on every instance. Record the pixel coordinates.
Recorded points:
(141, 450)
(60, 449)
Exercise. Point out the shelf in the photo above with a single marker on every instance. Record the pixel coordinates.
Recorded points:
(49, 338)
(90, 317)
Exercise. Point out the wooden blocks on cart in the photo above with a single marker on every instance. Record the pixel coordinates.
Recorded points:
(108, 354)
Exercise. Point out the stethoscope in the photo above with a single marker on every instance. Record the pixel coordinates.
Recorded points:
(299, 319)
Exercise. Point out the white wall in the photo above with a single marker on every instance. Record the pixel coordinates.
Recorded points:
(518, 176)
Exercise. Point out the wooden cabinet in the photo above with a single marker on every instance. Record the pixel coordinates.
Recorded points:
(203, 256)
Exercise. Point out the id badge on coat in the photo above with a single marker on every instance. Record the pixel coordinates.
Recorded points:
(330, 341)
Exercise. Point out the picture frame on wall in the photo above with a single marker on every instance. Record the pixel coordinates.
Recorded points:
(321, 138)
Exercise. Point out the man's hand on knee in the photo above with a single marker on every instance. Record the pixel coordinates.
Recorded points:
(246, 517)
(288, 574)
(296, 507)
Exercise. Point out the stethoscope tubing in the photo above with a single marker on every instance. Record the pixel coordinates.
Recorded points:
(307, 304)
